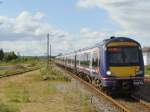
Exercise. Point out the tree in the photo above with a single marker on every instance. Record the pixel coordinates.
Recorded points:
(60, 54)
(1, 54)
(8, 56)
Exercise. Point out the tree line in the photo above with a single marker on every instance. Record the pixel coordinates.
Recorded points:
(7, 56)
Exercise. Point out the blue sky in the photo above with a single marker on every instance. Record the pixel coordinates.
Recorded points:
(60, 13)
(81, 22)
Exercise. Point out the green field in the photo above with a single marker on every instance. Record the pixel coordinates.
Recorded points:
(22, 60)
(147, 70)
(19, 65)
(33, 93)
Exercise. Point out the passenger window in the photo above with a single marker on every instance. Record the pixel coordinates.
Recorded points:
(77, 60)
(95, 60)
(85, 59)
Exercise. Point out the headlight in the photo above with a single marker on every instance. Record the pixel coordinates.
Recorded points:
(140, 72)
(108, 73)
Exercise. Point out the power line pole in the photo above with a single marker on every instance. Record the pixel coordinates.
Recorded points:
(51, 52)
(50, 55)
(47, 51)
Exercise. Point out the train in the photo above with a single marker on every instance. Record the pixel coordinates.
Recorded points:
(115, 64)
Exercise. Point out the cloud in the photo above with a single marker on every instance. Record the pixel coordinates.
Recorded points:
(27, 32)
(88, 3)
(26, 25)
(132, 15)
(24, 47)
(89, 37)
(87, 32)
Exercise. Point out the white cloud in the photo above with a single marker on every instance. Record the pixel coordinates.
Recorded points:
(87, 32)
(88, 3)
(28, 25)
(39, 15)
(132, 15)
(26, 34)
(89, 37)
(24, 47)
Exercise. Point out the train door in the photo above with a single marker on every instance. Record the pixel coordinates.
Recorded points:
(85, 62)
(95, 67)
(90, 65)
(77, 62)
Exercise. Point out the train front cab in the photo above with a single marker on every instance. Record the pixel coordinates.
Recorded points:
(124, 67)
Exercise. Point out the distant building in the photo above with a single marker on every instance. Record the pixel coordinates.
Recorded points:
(146, 55)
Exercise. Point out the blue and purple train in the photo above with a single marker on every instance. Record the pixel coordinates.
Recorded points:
(114, 64)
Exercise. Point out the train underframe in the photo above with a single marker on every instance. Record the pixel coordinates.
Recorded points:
(110, 86)
(114, 86)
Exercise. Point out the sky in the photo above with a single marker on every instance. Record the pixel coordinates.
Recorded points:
(72, 24)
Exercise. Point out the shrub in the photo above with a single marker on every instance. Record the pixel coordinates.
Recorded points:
(54, 74)
(8, 108)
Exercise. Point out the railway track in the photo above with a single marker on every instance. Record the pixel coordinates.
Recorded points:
(130, 104)
(133, 104)
(147, 79)
(18, 73)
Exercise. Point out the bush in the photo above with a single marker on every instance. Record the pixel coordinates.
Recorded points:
(147, 70)
(7, 108)
(54, 75)
(1, 54)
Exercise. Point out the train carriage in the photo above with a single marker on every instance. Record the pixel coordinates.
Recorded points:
(116, 63)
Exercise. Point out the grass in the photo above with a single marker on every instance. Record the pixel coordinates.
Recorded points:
(147, 70)
(85, 103)
(21, 91)
(15, 71)
(54, 75)
(30, 93)
(31, 61)
(17, 93)
(8, 108)
(75, 97)
(19, 67)
(78, 101)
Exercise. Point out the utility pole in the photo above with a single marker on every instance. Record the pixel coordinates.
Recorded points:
(47, 51)
(51, 52)
(50, 55)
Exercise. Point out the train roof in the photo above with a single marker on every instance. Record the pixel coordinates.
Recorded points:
(104, 42)
(119, 39)
(111, 39)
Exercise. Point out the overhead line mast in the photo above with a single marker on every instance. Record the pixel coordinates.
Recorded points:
(48, 51)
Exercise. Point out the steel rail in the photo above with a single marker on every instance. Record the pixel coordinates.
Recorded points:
(147, 79)
(142, 102)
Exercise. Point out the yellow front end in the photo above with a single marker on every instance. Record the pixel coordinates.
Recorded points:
(122, 72)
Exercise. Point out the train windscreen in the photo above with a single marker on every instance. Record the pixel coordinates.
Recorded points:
(123, 56)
